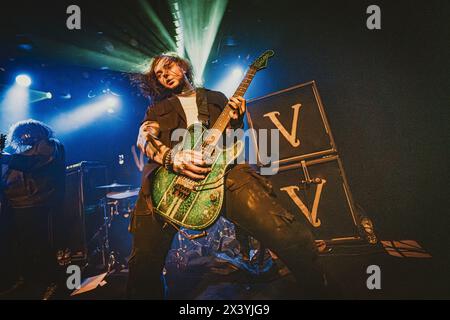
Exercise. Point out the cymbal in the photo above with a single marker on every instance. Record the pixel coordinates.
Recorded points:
(114, 185)
(123, 195)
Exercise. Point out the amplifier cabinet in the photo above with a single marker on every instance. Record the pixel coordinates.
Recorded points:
(298, 115)
(83, 213)
(318, 190)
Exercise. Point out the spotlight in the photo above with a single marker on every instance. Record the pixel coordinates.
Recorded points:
(237, 72)
(15, 103)
(111, 101)
(230, 82)
(85, 114)
(23, 80)
(49, 95)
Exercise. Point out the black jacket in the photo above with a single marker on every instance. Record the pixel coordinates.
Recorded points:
(36, 177)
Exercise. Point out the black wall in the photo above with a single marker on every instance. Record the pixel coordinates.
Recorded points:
(386, 94)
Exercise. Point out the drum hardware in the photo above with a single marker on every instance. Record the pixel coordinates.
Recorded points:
(102, 236)
(116, 208)
(114, 185)
(123, 194)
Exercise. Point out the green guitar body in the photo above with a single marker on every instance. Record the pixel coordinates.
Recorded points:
(198, 207)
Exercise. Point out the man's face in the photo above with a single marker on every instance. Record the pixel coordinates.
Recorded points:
(169, 74)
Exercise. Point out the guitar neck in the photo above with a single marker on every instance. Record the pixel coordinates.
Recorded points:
(224, 118)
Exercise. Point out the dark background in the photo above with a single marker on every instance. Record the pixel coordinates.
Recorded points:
(386, 92)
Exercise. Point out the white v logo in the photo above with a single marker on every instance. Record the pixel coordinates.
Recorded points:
(310, 215)
(291, 137)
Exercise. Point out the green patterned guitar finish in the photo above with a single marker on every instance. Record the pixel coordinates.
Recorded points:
(196, 204)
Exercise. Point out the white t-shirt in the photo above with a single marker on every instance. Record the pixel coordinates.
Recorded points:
(189, 105)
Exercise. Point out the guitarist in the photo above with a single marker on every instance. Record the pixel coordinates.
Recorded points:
(249, 201)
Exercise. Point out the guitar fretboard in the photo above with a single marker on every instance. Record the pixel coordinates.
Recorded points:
(222, 121)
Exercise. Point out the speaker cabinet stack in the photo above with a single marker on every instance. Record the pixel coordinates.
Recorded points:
(303, 163)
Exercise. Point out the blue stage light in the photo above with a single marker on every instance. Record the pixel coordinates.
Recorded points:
(85, 115)
(23, 80)
(238, 72)
(230, 82)
(112, 101)
(14, 105)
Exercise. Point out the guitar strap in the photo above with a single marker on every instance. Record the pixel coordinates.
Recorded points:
(202, 105)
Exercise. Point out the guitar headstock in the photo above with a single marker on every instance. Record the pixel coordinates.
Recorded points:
(2, 142)
(261, 62)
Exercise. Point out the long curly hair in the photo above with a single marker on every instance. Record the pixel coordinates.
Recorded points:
(149, 84)
(34, 129)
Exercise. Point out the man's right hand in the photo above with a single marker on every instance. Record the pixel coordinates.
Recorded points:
(191, 164)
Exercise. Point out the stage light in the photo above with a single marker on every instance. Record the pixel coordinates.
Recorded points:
(16, 101)
(238, 72)
(85, 114)
(124, 57)
(198, 22)
(36, 95)
(112, 101)
(14, 105)
(229, 84)
(192, 33)
(23, 80)
(160, 28)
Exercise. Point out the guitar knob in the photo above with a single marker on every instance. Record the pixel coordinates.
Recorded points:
(213, 196)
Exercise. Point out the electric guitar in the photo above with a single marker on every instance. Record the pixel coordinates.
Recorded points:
(196, 204)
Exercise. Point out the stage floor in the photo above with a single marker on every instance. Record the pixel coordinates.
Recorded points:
(211, 279)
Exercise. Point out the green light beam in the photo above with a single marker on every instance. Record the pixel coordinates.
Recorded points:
(154, 18)
(200, 21)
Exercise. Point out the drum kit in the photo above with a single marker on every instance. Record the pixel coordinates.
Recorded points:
(112, 240)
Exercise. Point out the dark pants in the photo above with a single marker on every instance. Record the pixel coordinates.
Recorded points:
(252, 206)
(29, 245)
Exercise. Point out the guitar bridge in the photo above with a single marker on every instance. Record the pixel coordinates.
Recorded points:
(181, 191)
(183, 187)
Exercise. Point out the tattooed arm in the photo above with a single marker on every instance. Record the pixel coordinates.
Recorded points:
(186, 162)
(149, 143)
